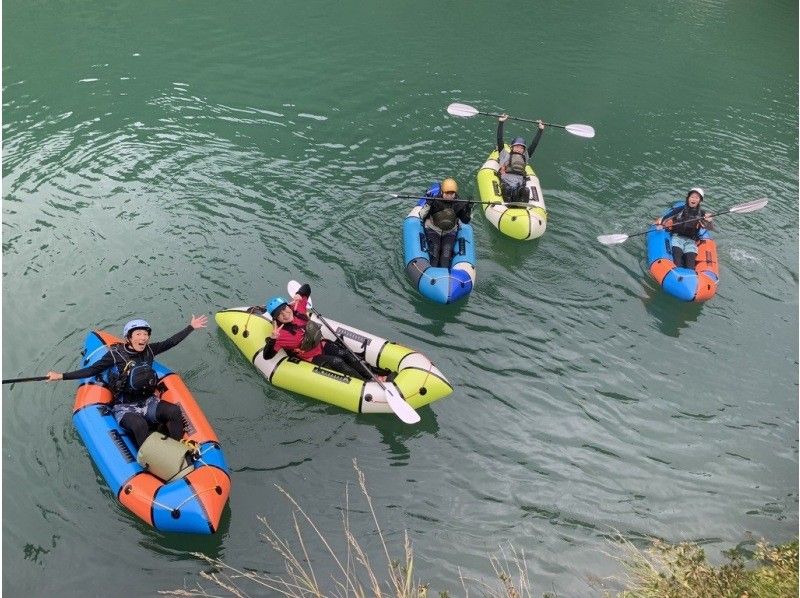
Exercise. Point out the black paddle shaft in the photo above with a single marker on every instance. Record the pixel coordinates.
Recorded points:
(32, 379)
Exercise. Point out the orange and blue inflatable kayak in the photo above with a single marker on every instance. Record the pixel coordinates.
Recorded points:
(696, 285)
(192, 504)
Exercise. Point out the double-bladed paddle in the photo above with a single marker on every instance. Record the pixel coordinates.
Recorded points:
(743, 208)
(462, 199)
(467, 111)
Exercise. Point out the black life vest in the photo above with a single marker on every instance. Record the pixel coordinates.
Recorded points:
(443, 214)
(681, 227)
(132, 377)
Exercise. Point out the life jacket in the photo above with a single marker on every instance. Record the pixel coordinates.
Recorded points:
(682, 228)
(516, 162)
(132, 377)
(309, 334)
(312, 335)
(443, 214)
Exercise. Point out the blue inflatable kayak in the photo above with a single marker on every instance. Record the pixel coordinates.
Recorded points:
(442, 285)
(191, 504)
(696, 285)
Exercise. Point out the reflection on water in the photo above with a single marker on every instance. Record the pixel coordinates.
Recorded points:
(397, 436)
(671, 315)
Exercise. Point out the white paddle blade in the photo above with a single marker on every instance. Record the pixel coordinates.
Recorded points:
(401, 409)
(750, 206)
(462, 110)
(612, 239)
(581, 130)
(292, 287)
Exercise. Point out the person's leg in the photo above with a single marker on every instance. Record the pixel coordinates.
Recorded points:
(690, 253)
(136, 426)
(434, 246)
(509, 186)
(338, 364)
(170, 415)
(351, 361)
(677, 256)
(446, 254)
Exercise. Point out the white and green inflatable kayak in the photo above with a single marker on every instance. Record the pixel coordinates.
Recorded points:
(416, 379)
(522, 222)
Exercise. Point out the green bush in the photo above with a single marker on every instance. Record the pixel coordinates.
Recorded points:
(682, 571)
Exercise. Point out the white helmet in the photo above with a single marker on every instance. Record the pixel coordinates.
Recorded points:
(136, 325)
(697, 190)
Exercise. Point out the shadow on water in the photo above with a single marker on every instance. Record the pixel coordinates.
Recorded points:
(436, 315)
(671, 314)
(395, 433)
(509, 252)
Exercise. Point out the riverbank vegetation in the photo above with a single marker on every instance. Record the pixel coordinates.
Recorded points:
(682, 571)
(660, 571)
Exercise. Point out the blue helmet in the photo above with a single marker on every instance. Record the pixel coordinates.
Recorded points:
(136, 325)
(519, 141)
(274, 304)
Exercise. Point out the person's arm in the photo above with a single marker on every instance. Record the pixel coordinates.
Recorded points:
(269, 349)
(195, 322)
(666, 220)
(280, 339)
(708, 221)
(300, 301)
(501, 121)
(162, 346)
(536, 139)
(99, 366)
(464, 212)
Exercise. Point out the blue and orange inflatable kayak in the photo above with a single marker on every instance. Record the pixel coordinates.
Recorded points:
(442, 285)
(192, 504)
(696, 285)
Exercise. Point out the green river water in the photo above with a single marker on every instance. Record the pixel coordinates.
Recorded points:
(164, 159)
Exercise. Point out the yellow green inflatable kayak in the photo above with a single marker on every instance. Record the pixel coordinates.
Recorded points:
(518, 221)
(416, 379)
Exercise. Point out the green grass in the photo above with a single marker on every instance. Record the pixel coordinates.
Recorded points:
(682, 571)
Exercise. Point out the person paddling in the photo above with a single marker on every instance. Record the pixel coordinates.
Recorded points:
(301, 337)
(512, 163)
(440, 217)
(133, 382)
(684, 223)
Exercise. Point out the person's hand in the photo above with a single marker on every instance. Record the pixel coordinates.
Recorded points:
(200, 321)
(503, 117)
(276, 331)
(708, 219)
(541, 125)
(657, 222)
(53, 376)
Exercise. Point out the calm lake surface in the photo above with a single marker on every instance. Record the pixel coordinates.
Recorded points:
(164, 159)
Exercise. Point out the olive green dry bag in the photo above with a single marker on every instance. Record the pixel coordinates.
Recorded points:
(165, 458)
